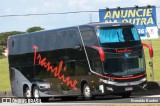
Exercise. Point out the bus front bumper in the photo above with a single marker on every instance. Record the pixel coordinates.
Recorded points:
(117, 87)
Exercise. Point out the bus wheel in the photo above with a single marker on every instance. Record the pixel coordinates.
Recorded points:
(35, 92)
(126, 95)
(87, 92)
(27, 92)
(37, 96)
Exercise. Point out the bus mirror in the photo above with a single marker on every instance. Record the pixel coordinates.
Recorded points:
(78, 47)
(101, 52)
(150, 49)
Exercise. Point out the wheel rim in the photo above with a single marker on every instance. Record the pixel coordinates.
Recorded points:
(87, 92)
(28, 93)
(36, 93)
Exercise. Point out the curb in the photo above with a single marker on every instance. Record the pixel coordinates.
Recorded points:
(5, 93)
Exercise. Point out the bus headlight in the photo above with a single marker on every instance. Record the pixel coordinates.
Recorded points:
(111, 82)
(143, 79)
(109, 88)
(44, 86)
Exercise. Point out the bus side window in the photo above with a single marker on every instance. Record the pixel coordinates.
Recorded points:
(97, 65)
(61, 39)
(70, 68)
(89, 36)
(82, 68)
(24, 45)
(15, 45)
(38, 40)
(51, 38)
(74, 38)
(12, 43)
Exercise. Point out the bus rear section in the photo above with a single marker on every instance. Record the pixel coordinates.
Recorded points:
(121, 64)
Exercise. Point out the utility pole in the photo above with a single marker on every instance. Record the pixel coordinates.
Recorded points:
(150, 43)
(90, 18)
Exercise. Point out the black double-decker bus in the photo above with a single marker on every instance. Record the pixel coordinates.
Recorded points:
(86, 60)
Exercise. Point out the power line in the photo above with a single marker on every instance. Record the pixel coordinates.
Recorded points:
(15, 15)
(41, 14)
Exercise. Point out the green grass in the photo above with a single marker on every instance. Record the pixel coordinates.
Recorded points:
(4, 73)
(156, 59)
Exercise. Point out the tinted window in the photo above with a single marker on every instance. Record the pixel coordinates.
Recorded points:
(15, 45)
(74, 38)
(117, 34)
(89, 36)
(117, 64)
(67, 39)
(26, 44)
(39, 40)
(12, 43)
(82, 68)
(50, 41)
(97, 65)
(70, 68)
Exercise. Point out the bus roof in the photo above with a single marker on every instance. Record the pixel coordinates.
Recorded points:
(109, 24)
(94, 24)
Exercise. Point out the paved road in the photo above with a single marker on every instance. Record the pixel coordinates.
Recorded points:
(106, 101)
(139, 99)
(113, 99)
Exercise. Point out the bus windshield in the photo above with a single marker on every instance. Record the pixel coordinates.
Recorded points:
(125, 64)
(117, 34)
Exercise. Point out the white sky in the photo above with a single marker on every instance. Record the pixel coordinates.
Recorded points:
(56, 21)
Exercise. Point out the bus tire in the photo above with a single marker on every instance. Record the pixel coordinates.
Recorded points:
(36, 92)
(126, 95)
(36, 95)
(27, 92)
(87, 92)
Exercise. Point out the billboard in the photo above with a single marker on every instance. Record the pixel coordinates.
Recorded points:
(144, 18)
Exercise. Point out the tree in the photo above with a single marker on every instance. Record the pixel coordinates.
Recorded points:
(34, 29)
(4, 36)
(1, 51)
(3, 40)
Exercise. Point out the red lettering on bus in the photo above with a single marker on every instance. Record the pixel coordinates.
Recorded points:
(55, 70)
(123, 50)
